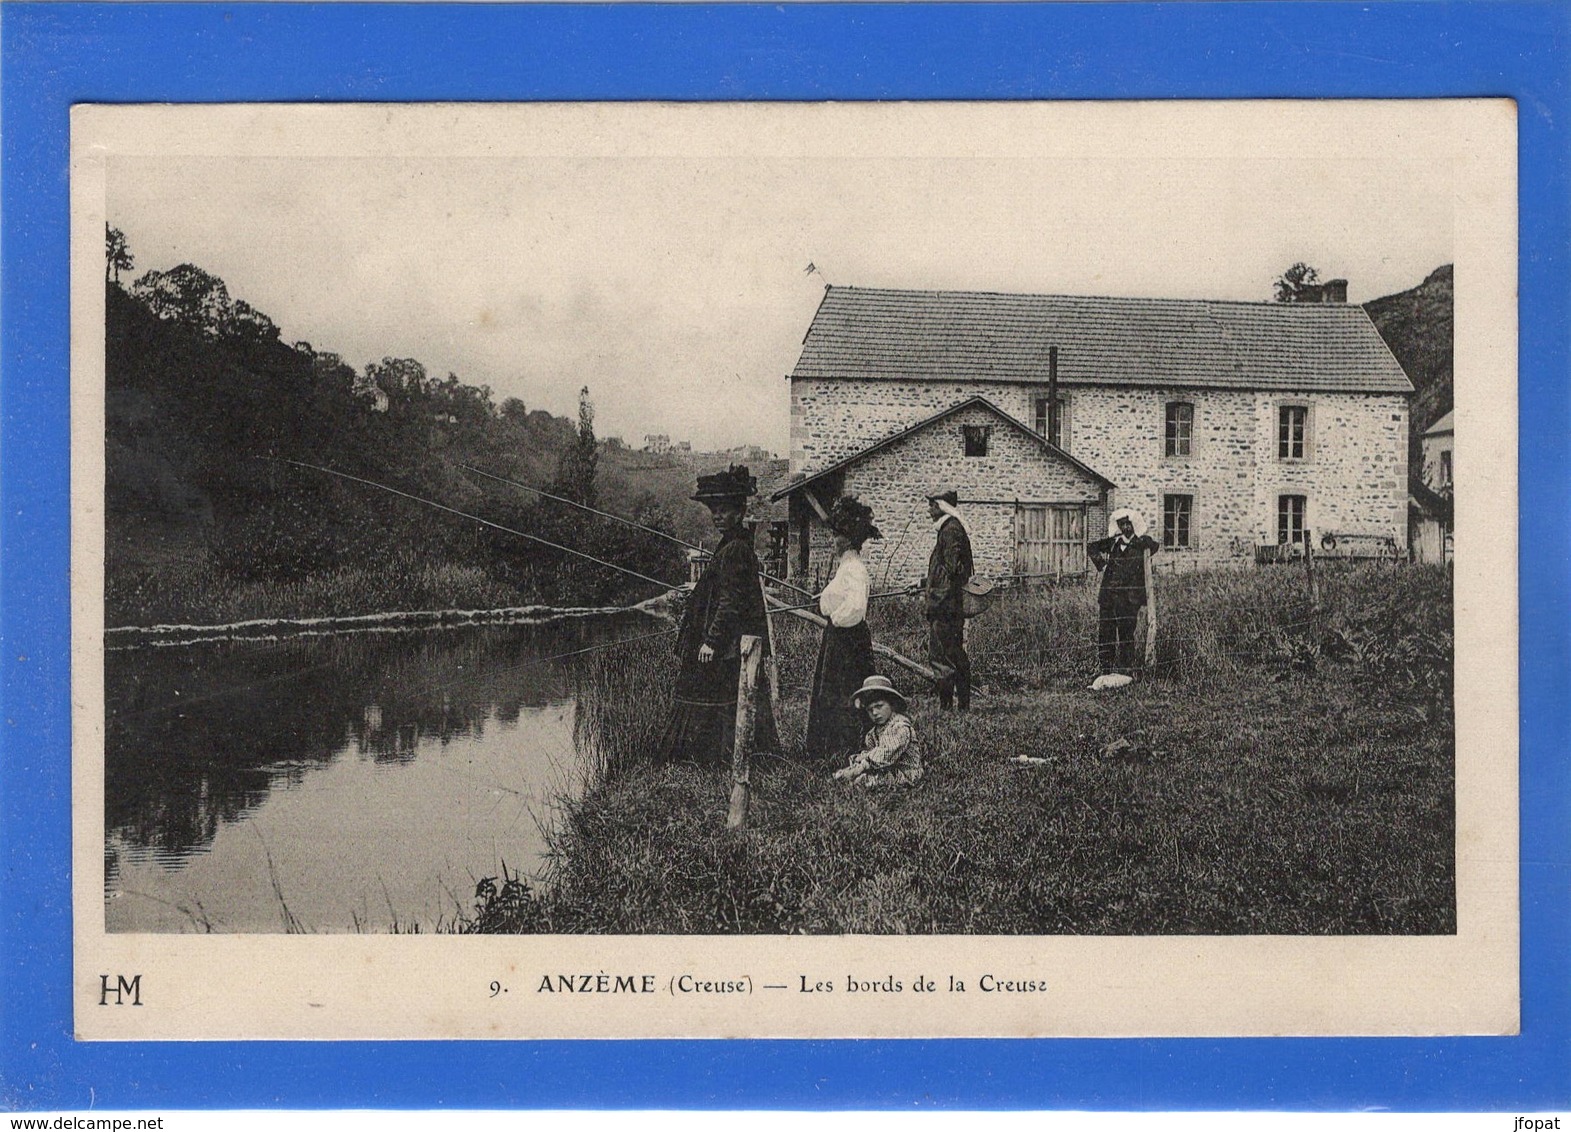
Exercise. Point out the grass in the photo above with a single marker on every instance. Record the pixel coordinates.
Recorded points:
(1283, 770)
(189, 589)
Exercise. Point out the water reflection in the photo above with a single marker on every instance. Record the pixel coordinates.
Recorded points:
(336, 783)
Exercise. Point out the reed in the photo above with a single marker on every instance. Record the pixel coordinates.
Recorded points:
(621, 710)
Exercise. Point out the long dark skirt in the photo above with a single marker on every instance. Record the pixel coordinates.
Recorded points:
(845, 659)
(702, 727)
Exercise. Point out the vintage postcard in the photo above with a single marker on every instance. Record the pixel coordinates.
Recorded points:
(622, 570)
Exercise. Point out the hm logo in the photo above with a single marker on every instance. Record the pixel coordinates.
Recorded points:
(123, 990)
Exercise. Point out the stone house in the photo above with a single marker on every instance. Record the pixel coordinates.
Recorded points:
(1436, 444)
(1230, 426)
(1429, 527)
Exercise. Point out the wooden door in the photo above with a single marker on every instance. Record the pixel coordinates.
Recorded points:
(1050, 539)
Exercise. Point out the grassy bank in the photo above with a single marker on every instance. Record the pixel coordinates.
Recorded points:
(1283, 770)
(190, 590)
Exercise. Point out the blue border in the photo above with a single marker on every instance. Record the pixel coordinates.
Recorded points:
(57, 54)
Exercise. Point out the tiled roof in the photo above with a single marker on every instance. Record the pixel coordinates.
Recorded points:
(862, 332)
(1443, 425)
(970, 402)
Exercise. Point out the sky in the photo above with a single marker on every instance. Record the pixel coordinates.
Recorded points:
(659, 254)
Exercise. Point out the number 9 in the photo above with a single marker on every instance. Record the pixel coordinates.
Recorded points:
(496, 988)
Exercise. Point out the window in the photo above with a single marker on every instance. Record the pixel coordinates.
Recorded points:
(1055, 431)
(1292, 432)
(1176, 510)
(976, 438)
(1445, 468)
(1290, 518)
(1180, 427)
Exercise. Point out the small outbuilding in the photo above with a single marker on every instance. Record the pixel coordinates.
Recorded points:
(1028, 504)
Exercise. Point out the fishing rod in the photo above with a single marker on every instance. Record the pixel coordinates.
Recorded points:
(805, 614)
(814, 604)
(467, 515)
(619, 519)
(581, 506)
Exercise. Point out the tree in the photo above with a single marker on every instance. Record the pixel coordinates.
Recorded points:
(575, 472)
(201, 300)
(1296, 282)
(117, 254)
(396, 377)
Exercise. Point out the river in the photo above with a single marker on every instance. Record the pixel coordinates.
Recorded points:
(346, 782)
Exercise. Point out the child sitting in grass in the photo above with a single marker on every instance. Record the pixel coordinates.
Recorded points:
(889, 754)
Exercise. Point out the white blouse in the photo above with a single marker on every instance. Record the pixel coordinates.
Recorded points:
(844, 600)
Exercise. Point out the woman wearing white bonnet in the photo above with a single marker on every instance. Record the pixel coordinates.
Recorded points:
(1121, 559)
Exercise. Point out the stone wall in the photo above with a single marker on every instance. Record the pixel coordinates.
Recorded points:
(1354, 476)
(892, 481)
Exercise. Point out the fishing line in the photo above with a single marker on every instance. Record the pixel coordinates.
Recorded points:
(814, 603)
(894, 555)
(222, 693)
(467, 515)
(581, 506)
(618, 519)
(546, 659)
(1091, 646)
(285, 677)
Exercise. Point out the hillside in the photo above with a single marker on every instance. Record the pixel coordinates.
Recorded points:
(205, 404)
(1417, 326)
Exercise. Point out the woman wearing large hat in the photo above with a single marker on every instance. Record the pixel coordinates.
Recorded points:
(845, 653)
(726, 605)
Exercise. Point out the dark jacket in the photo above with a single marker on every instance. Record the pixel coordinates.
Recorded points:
(948, 570)
(1123, 572)
(726, 604)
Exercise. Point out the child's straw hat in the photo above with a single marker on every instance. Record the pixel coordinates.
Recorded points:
(878, 687)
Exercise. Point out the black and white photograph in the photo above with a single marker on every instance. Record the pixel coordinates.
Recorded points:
(1014, 547)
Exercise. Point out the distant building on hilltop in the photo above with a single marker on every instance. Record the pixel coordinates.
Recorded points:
(1232, 427)
(658, 443)
(747, 454)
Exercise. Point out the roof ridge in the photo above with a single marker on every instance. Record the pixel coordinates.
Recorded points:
(927, 335)
(971, 401)
(1269, 304)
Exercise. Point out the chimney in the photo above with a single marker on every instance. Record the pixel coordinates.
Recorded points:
(1334, 291)
(1052, 396)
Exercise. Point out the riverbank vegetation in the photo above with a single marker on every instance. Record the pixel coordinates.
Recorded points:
(1284, 769)
(207, 519)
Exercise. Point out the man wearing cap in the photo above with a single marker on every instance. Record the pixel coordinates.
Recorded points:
(1121, 558)
(948, 571)
(725, 607)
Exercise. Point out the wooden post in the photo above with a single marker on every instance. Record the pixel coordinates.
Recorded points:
(1309, 571)
(1145, 559)
(746, 725)
(771, 664)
